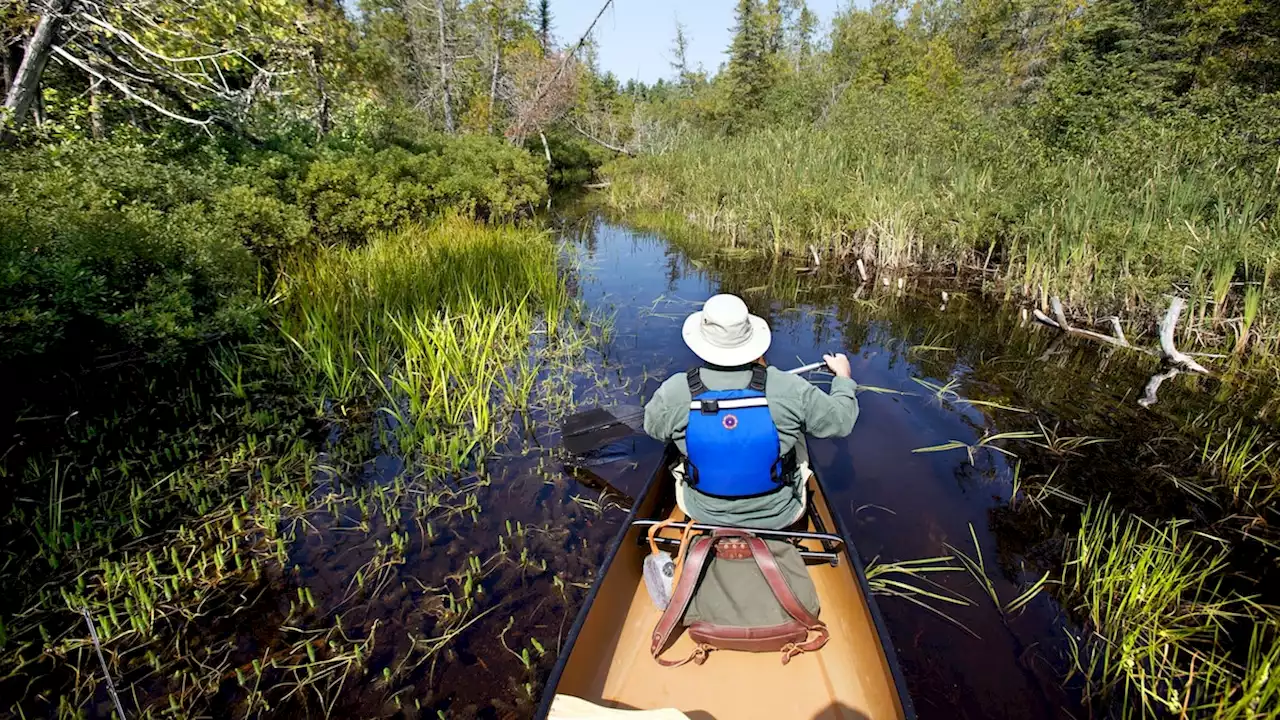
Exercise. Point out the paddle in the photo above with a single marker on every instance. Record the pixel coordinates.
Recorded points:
(597, 427)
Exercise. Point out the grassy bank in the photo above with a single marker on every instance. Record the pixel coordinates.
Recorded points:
(1110, 230)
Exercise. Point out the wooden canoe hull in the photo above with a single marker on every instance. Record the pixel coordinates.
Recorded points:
(606, 654)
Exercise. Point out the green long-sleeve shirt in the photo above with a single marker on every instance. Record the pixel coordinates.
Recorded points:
(797, 408)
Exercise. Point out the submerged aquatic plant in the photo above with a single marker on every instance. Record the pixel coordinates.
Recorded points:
(910, 581)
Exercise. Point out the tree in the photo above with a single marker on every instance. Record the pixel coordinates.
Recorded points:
(680, 57)
(443, 54)
(24, 87)
(544, 25)
(773, 22)
(225, 57)
(751, 69)
(805, 27)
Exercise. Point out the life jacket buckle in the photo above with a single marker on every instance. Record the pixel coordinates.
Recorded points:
(710, 407)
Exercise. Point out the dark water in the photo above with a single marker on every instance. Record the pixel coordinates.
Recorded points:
(899, 505)
(529, 547)
(903, 505)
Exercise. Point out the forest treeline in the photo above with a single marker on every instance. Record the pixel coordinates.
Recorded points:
(1109, 152)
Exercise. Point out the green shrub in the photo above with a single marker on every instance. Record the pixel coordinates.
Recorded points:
(269, 227)
(353, 195)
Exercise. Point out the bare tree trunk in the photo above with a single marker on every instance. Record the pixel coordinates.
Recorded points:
(444, 71)
(95, 109)
(26, 83)
(323, 113)
(493, 80)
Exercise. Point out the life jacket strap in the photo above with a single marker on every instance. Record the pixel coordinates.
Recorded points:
(714, 406)
(694, 376)
(759, 378)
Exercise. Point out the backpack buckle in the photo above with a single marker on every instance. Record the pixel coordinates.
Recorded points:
(710, 407)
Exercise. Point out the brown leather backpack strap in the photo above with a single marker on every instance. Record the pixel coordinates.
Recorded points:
(782, 591)
(694, 563)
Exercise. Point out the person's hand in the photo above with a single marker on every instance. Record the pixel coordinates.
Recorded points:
(839, 365)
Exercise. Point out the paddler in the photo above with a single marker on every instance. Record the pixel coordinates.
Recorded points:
(740, 423)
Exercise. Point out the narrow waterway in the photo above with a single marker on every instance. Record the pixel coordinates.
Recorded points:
(932, 373)
(900, 505)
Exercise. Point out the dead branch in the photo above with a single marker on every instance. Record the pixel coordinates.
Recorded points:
(128, 91)
(597, 140)
(521, 121)
(1168, 352)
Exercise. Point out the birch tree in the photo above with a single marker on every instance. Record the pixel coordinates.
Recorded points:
(198, 62)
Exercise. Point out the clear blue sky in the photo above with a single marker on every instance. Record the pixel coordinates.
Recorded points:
(634, 36)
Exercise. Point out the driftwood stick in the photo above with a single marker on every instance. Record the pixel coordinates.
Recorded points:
(1062, 324)
(1117, 330)
(816, 261)
(862, 270)
(1168, 351)
(1058, 315)
(1046, 320)
(1153, 386)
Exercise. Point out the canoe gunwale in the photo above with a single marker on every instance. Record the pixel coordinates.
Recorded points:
(553, 680)
(849, 549)
(882, 631)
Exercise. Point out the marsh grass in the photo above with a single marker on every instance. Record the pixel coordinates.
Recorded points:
(1103, 235)
(1242, 462)
(1158, 616)
(433, 324)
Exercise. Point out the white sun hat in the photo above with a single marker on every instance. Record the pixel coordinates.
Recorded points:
(724, 333)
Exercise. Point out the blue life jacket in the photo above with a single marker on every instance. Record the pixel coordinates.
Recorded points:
(731, 441)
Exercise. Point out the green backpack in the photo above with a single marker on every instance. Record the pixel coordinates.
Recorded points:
(740, 592)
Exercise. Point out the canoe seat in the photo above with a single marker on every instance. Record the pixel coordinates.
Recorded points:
(568, 707)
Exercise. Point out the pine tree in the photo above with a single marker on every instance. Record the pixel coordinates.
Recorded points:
(805, 27)
(773, 23)
(544, 25)
(750, 66)
(680, 56)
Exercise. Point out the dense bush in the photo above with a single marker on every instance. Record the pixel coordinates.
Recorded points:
(118, 250)
(349, 195)
(103, 251)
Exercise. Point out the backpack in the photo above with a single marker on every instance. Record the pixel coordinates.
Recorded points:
(739, 592)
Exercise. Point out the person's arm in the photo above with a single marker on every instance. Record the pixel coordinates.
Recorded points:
(832, 414)
(666, 412)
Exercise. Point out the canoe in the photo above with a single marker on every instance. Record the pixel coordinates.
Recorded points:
(605, 668)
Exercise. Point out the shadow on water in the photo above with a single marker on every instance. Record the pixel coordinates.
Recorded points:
(464, 590)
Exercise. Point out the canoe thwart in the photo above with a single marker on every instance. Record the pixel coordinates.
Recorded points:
(832, 545)
(810, 556)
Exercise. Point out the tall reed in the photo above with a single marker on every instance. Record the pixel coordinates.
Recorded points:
(435, 322)
(895, 186)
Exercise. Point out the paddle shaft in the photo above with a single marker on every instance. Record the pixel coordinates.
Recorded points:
(612, 421)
